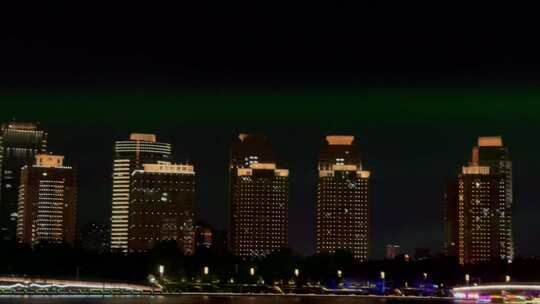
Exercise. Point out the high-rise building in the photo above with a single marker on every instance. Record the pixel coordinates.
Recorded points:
(392, 251)
(343, 199)
(478, 206)
(20, 142)
(162, 206)
(259, 189)
(47, 202)
(130, 155)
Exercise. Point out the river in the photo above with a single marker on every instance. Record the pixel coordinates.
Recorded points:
(214, 299)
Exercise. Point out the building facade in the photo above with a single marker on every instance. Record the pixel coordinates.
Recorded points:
(20, 142)
(47, 202)
(392, 251)
(342, 220)
(478, 206)
(162, 206)
(204, 237)
(130, 155)
(259, 203)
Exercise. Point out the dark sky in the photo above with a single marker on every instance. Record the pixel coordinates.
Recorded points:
(416, 85)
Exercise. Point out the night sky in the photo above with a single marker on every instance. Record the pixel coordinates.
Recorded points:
(415, 85)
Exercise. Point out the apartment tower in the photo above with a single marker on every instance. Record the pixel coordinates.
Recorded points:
(478, 206)
(342, 220)
(47, 201)
(162, 206)
(259, 190)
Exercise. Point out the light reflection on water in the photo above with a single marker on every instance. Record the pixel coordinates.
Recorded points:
(202, 299)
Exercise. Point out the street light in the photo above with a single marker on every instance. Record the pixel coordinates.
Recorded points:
(467, 279)
(161, 270)
(507, 278)
(296, 272)
(383, 281)
(339, 273)
(252, 271)
(206, 270)
(425, 275)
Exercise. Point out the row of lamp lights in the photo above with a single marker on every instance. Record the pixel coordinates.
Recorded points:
(206, 271)
(468, 278)
(383, 274)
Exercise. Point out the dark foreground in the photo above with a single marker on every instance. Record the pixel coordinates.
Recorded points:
(217, 299)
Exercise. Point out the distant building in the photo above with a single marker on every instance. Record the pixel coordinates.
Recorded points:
(94, 236)
(478, 206)
(422, 253)
(204, 237)
(259, 189)
(450, 218)
(20, 142)
(47, 202)
(130, 155)
(392, 251)
(220, 241)
(161, 206)
(343, 199)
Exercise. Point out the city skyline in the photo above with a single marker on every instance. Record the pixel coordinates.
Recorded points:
(294, 243)
(342, 148)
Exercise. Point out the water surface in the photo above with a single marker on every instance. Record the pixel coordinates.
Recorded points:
(214, 299)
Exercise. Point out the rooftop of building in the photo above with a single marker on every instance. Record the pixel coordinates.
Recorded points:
(340, 139)
(490, 141)
(143, 137)
(19, 125)
(166, 167)
(49, 160)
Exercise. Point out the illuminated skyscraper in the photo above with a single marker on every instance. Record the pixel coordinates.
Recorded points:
(161, 206)
(259, 198)
(47, 202)
(20, 142)
(343, 199)
(478, 206)
(130, 155)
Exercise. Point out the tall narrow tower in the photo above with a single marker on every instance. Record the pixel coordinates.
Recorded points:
(259, 189)
(478, 206)
(130, 155)
(343, 199)
(20, 142)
